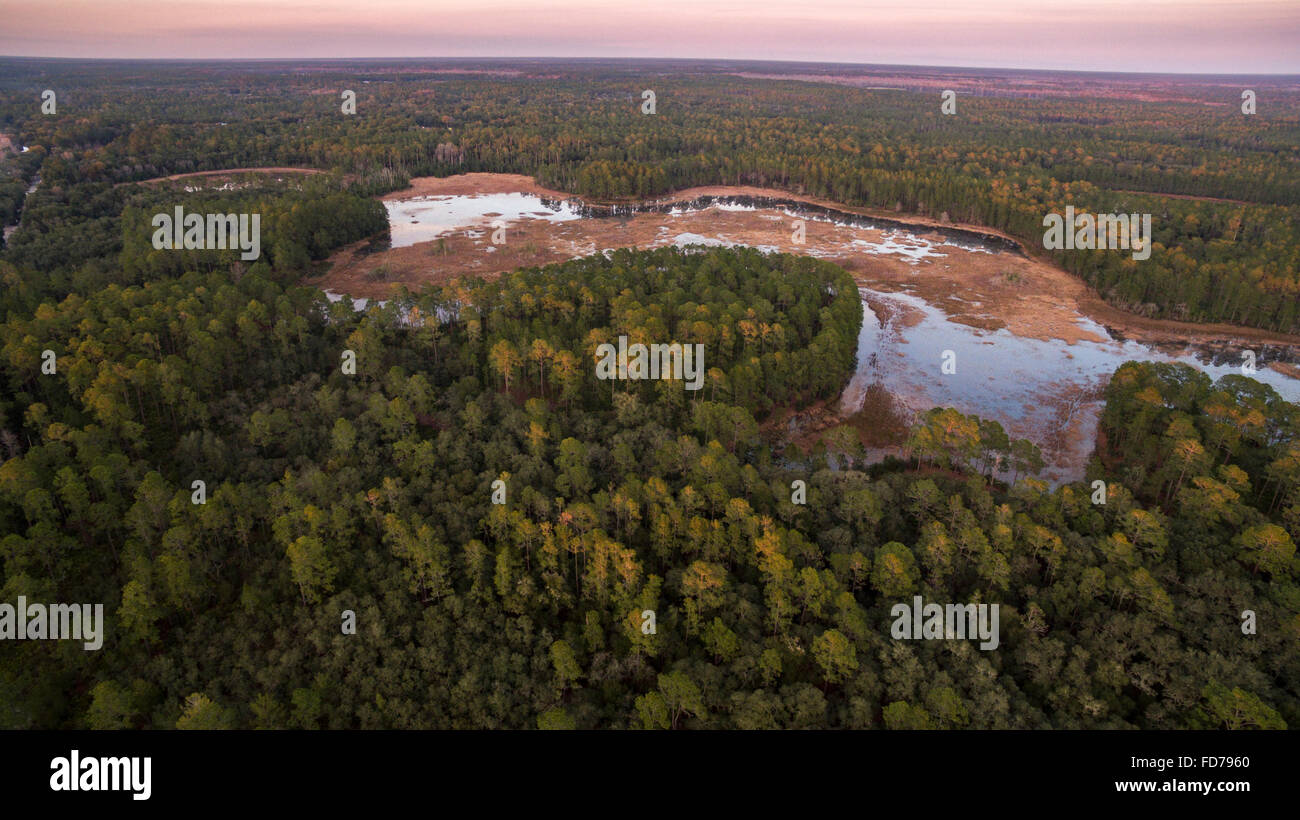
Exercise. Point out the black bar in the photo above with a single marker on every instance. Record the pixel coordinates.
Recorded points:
(966, 770)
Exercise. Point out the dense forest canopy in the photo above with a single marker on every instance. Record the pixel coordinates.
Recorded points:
(373, 493)
(499, 520)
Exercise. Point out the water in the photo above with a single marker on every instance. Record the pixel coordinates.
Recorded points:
(425, 218)
(1026, 384)
(1045, 390)
(358, 304)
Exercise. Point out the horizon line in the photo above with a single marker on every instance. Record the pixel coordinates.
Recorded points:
(541, 58)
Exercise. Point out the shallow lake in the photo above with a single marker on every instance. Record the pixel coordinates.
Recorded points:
(1026, 384)
(423, 219)
(1043, 389)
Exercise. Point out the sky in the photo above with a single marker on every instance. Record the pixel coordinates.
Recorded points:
(1182, 36)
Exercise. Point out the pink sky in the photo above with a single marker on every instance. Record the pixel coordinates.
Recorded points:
(1211, 36)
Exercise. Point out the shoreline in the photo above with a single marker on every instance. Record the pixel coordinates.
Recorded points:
(1055, 282)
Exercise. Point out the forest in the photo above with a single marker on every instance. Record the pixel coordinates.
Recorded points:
(1229, 251)
(373, 492)
(498, 521)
